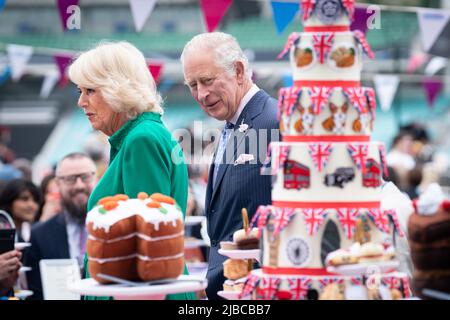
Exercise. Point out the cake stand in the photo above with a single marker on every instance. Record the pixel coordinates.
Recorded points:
(90, 287)
(241, 254)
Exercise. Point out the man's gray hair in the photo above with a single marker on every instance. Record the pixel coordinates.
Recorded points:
(225, 47)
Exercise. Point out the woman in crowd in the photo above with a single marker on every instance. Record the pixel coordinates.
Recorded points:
(119, 97)
(21, 198)
(51, 204)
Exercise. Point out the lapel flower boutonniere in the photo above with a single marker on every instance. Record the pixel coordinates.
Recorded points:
(243, 127)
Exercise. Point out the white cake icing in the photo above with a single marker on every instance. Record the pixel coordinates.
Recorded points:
(131, 207)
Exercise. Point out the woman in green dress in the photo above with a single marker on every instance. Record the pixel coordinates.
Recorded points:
(119, 97)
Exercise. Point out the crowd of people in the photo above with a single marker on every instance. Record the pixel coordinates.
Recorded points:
(120, 99)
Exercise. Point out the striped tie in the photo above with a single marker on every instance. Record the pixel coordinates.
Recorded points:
(220, 151)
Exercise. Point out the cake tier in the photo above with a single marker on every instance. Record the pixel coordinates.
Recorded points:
(387, 286)
(297, 240)
(326, 172)
(326, 14)
(323, 111)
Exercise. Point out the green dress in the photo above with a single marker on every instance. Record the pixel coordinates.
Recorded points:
(144, 157)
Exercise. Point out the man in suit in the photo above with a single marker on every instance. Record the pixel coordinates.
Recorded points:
(63, 236)
(219, 78)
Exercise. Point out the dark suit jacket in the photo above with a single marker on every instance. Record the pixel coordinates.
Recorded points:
(48, 241)
(238, 186)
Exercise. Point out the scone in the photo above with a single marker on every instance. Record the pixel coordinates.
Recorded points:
(234, 269)
(371, 252)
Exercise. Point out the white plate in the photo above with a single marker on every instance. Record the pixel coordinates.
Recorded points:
(241, 254)
(193, 220)
(22, 294)
(91, 287)
(230, 295)
(21, 245)
(365, 268)
(24, 269)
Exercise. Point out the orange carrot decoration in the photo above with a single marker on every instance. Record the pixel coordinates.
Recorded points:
(119, 197)
(105, 199)
(142, 195)
(154, 204)
(109, 205)
(162, 198)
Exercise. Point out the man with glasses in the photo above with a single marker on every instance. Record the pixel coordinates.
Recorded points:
(63, 236)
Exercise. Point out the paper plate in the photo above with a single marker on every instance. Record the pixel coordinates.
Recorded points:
(241, 254)
(365, 268)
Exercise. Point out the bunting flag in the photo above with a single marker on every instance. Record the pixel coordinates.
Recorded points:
(141, 10)
(431, 23)
(18, 59)
(360, 17)
(392, 282)
(284, 13)
(416, 61)
(323, 42)
(320, 153)
(383, 159)
(307, 8)
(282, 218)
(394, 217)
(329, 280)
(359, 153)
(319, 98)
(2, 4)
(282, 154)
(380, 219)
(155, 68)
(349, 7)
(347, 218)
(370, 95)
(432, 88)
(290, 99)
(361, 39)
(280, 103)
(50, 80)
(250, 285)
(260, 218)
(357, 281)
(64, 14)
(293, 38)
(213, 12)
(62, 61)
(386, 86)
(313, 219)
(357, 97)
(298, 287)
(269, 287)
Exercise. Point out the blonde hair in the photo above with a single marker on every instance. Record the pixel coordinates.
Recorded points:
(225, 47)
(120, 72)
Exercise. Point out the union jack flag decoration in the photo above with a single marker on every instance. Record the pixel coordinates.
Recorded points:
(269, 287)
(391, 282)
(319, 97)
(298, 287)
(347, 218)
(406, 289)
(249, 286)
(349, 6)
(394, 217)
(280, 103)
(323, 43)
(293, 38)
(282, 218)
(357, 98)
(307, 7)
(383, 159)
(261, 215)
(329, 280)
(278, 154)
(357, 281)
(370, 94)
(290, 99)
(313, 219)
(361, 38)
(359, 153)
(380, 219)
(320, 153)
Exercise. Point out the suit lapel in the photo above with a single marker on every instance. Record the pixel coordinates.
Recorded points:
(251, 110)
(60, 237)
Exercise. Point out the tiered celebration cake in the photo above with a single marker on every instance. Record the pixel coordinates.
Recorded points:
(325, 235)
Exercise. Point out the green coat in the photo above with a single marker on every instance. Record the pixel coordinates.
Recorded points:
(141, 160)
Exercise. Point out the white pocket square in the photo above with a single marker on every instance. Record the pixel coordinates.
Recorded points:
(244, 158)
